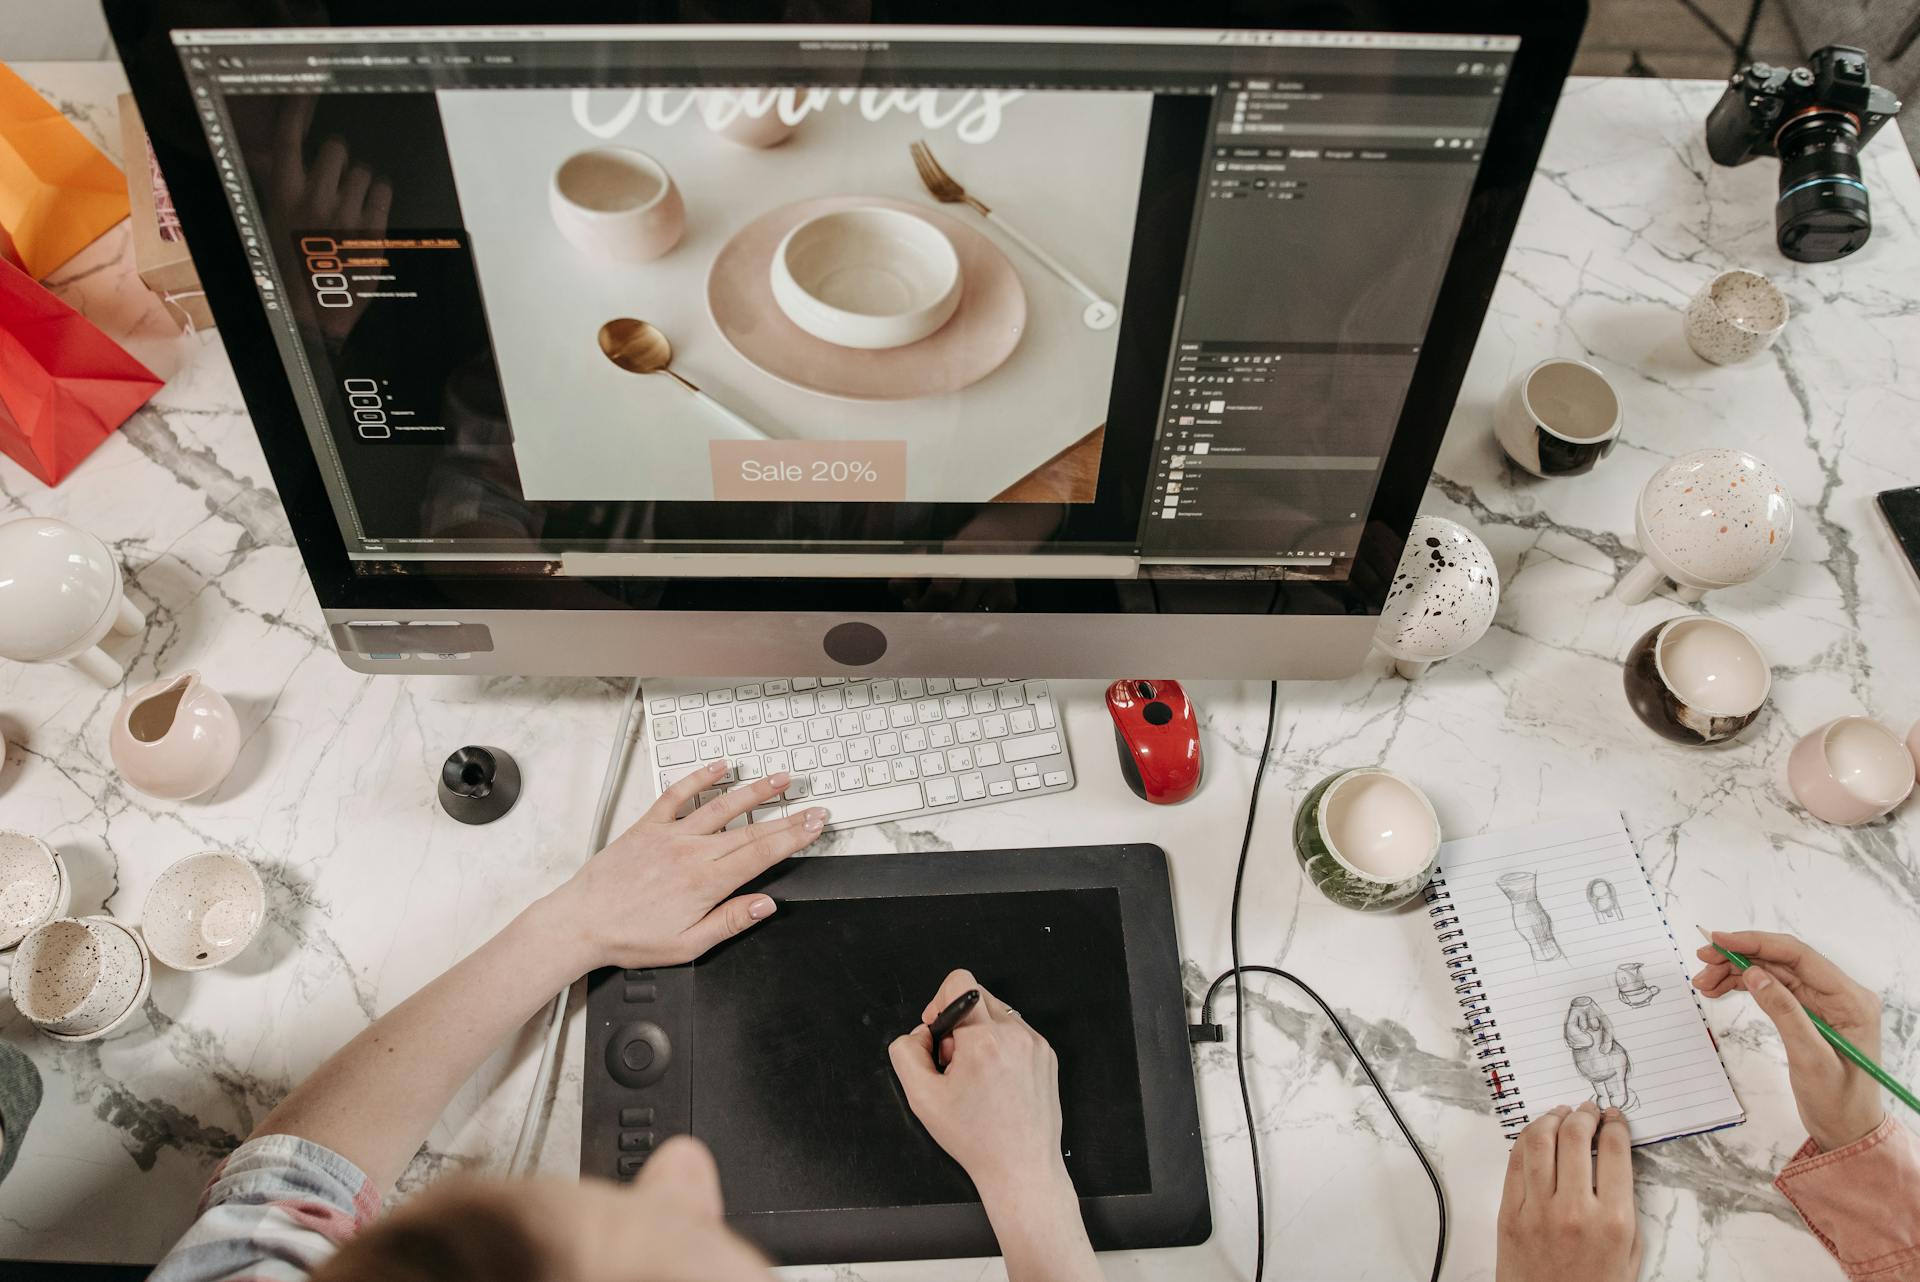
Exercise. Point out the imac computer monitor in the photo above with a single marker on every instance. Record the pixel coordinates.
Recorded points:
(589, 338)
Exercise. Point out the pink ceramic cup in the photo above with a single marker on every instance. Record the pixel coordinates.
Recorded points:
(617, 203)
(1850, 770)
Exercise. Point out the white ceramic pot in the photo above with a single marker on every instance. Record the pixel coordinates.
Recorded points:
(203, 911)
(80, 977)
(60, 594)
(34, 886)
(175, 738)
(617, 203)
(867, 277)
(1442, 598)
(1709, 519)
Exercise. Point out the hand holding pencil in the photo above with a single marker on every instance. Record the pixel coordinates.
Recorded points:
(1839, 1101)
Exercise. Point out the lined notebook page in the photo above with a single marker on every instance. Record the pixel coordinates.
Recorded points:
(1588, 989)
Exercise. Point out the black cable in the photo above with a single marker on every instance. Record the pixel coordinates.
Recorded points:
(1207, 1030)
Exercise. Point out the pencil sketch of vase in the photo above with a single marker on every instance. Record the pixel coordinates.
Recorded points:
(1598, 1057)
(1530, 915)
(1602, 899)
(1632, 986)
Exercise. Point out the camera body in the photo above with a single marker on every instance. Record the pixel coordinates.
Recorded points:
(1815, 119)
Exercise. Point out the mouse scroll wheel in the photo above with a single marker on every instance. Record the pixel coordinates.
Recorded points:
(1145, 689)
(1157, 714)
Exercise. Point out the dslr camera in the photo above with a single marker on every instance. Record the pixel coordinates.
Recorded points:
(1815, 119)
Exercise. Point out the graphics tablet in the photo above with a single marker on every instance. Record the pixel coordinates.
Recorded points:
(773, 1049)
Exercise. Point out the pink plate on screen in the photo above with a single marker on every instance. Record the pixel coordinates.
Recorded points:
(983, 332)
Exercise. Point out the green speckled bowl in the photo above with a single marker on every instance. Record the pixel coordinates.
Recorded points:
(1397, 823)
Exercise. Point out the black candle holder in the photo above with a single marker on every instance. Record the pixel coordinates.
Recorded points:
(478, 785)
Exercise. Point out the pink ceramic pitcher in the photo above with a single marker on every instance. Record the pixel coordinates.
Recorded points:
(175, 738)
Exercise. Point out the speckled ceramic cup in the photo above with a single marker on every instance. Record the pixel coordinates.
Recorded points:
(34, 886)
(79, 976)
(1367, 838)
(203, 911)
(1735, 315)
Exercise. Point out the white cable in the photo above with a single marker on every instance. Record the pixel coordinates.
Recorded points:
(557, 1012)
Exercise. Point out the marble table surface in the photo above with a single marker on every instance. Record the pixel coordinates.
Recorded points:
(372, 891)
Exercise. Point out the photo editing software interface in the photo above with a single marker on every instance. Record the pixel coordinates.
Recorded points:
(1149, 294)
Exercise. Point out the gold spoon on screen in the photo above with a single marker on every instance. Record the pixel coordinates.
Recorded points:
(640, 348)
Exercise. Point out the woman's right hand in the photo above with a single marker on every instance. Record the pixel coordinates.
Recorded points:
(1838, 1102)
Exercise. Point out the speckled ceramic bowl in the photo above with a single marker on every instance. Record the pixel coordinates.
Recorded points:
(80, 976)
(1367, 838)
(203, 911)
(34, 886)
(1735, 315)
(1442, 598)
(1696, 680)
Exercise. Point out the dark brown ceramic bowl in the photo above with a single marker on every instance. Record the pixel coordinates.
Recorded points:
(1696, 680)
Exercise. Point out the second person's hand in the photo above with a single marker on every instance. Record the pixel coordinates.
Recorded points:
(1838, 1102)
(658, 894)
(1566, 1213)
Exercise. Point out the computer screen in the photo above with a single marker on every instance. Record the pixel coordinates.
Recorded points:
(571, 300)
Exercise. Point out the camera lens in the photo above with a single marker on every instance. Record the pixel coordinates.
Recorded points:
(1822, 211)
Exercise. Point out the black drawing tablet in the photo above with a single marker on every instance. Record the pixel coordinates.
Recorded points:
(773, 1049)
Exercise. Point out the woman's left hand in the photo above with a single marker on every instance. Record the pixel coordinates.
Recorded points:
(658, 894)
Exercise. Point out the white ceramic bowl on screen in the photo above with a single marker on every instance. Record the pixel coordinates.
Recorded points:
(867, 277)
(34, 886)
(80, 977)
(203, 911)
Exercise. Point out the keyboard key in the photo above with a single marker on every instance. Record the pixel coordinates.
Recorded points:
(968, 730)
(992, 681)
(846, 723)
(873, 719)
(777, 688)
(860, 749)
(886, 745)
(877, 773)
(675, 752)
(886, 691)
(986, 754)
(832, 700)
(905, 768)
(994, 727)
(851, 778)
(959, 759)
(1037, 745)
(1027, 770)
(966, 683)
(707, 747)
(1054, 778)
(1021, 719)
(692, 702)
(1026, 785)
(665, 728)
(912, 688)
(749, 768)
(720, 718)
(940, 735)
(668, 778)
(716, 698)
(900, 716)
(775, 711)
(939, 685)
(803, 705)
(1010, 696)
(761, 814)
(833, 681)
(942, 792)
(1043, 712)
(913, 740)
(954, 705)
(1000, 788)
(748, 691)
(765, 737)
(693, 723)
(804, 683)
(805, 759)
(821, 784)
(793, 734)
(874, 803)
(858, 696)
(747, 714)
(738, 741)
(819, 730)
(932, 764)
(776, 762)
(980, 701)
(972, 787)
(664, 703)
(927, 710)
(833, 753)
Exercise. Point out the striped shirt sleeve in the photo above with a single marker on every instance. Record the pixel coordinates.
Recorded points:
(273, 1212)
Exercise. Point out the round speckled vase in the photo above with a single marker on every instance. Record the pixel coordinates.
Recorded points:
(203, 911)
(34, 886)
(1735, 315)
(1696, 680)
(1710, 519)
(80, 977)
(1442, 597)
(1367, 838)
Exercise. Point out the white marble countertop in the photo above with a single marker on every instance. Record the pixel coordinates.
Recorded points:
(373, 891)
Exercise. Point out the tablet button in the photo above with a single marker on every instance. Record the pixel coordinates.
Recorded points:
(638, 1054)
(630, 1166)
(636, 1141)
(639, 992)
(636, 1117)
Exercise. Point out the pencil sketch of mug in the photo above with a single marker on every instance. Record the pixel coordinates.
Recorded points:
(1530, 915)
(1604, 901)
(1597, 1056)
(1632, 986)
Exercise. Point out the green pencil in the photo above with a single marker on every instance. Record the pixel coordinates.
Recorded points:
(1839, 1043)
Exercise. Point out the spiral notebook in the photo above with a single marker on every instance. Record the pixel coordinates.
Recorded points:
(1573, 984)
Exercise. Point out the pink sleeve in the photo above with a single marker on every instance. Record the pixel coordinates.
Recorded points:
(1862, 1202)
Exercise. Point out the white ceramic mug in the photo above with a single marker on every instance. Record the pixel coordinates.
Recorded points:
(1735, 315)
(1850, 771)
(60, 594)
(175, 738)
(80, 977)
(34, 886)
(618, 203)
(1559, 418)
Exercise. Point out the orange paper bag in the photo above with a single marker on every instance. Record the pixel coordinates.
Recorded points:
(63, 384)
(58, 192)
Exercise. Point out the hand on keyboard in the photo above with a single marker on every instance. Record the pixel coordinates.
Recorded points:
(657, 895)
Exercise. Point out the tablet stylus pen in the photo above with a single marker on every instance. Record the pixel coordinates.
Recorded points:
(946, 1020)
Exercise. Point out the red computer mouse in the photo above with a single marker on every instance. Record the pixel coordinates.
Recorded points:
(1158, 738)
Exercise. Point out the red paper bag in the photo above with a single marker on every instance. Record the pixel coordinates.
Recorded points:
(63, 384)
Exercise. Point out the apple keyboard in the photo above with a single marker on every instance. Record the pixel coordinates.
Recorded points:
(868, 750)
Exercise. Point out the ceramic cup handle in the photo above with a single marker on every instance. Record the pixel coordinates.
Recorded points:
(1639, 583)
(99, 666)
(128, 621)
